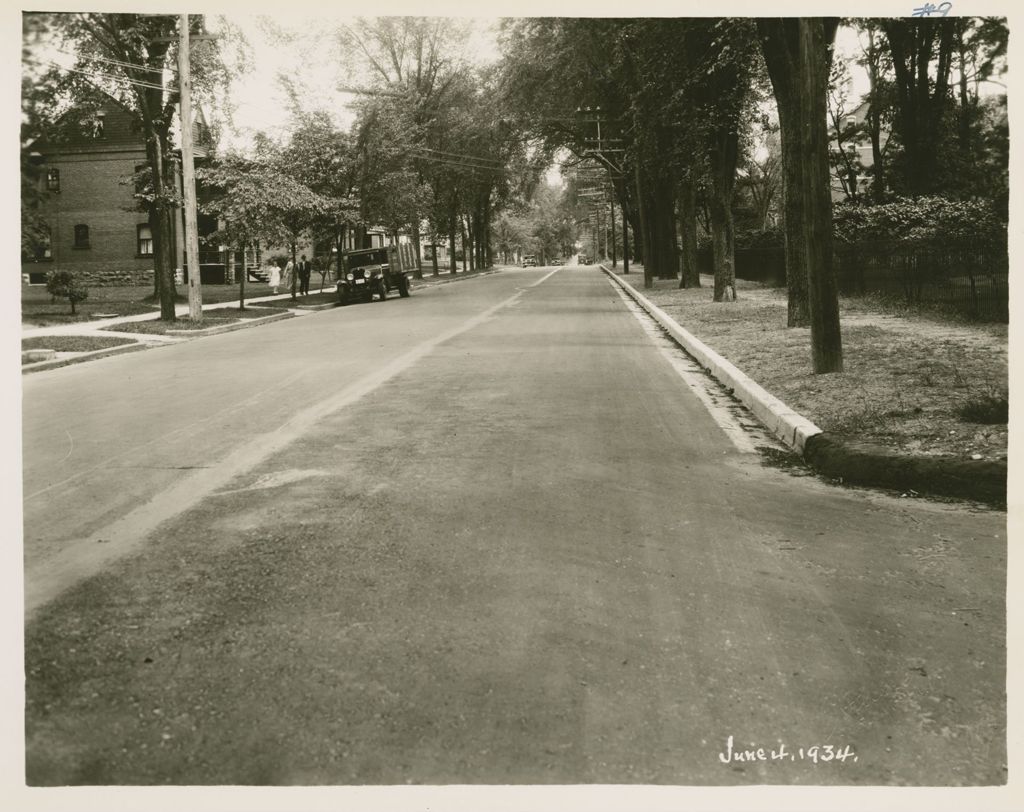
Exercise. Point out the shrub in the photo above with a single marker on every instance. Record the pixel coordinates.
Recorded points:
(989, 410)
(933, 220)
(63, 285)
(766, 238)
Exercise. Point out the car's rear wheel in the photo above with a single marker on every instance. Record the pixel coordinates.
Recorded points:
(403, 287)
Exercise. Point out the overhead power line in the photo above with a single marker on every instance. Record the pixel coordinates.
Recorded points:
(117, 62)
(459, 164)
(445, 161)
(109, 76)
(478, 158)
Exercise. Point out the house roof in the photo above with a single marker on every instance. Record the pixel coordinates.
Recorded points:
(74, 131)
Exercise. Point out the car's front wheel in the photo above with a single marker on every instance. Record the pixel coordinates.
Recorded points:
(382, 290)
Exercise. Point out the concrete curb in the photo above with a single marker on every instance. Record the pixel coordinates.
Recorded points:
(792, 428)
(85, 356)
(228, 328)
(863, 464)
(850, 462)
(434, 283)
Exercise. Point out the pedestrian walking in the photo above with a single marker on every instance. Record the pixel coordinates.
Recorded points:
(288, 277)
(274, 275)
(304, 270)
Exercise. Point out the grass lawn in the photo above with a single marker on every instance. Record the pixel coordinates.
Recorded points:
(915, 382)
(73, 343)
(38, 310)
(211, 318)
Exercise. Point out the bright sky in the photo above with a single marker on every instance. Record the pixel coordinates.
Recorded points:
(304, 49)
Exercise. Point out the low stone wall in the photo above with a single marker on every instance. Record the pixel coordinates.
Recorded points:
(92, 275)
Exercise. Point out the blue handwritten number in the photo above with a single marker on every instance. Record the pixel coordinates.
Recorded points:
(928, 9)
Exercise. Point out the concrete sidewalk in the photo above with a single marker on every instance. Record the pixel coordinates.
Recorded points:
(98, 327)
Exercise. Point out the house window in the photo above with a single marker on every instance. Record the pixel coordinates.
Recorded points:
(53, 180)
(44, 250)
(97, 125)
(81, 236)
(145, 240)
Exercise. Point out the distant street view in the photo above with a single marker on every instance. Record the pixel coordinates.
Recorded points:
(515, 401)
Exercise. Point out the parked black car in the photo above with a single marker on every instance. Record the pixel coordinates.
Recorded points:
(529, 261)
(372, 272)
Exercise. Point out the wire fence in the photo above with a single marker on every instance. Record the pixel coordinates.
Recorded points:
(970, 280)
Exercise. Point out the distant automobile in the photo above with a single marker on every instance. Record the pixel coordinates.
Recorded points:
(557, 262)
(529, 262)
(584, 259)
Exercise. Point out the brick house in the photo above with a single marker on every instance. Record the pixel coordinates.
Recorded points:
(96, 227)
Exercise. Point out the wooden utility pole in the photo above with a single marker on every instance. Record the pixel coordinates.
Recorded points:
(611, 231)
(188, 177)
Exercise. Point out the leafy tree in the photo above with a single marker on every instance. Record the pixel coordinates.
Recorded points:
(127, 57)
(324, 159)
(922, 55)
(240, 193)
(65, 285)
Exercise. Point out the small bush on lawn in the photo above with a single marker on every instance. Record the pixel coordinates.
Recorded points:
(989, 410)
(63, 285)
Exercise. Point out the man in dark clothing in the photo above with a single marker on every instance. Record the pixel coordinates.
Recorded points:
(304, 272)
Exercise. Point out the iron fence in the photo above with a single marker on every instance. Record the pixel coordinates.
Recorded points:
(972, 280)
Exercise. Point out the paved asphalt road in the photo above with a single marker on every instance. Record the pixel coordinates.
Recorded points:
(486, 534)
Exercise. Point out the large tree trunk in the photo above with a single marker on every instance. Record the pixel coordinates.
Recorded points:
(467, 246)
(418, 273)
(664, 235)
(488, 250)
(451, 244)
(611, 231)
(798, 308)
(725, 275)
(797, 54)
(478, 235)
(643, 215)
(161, 225)
(723, 156)
(826, 341)
(631, 211)
(687, 213)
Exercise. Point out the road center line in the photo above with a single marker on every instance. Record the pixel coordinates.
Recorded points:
(81, 558)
